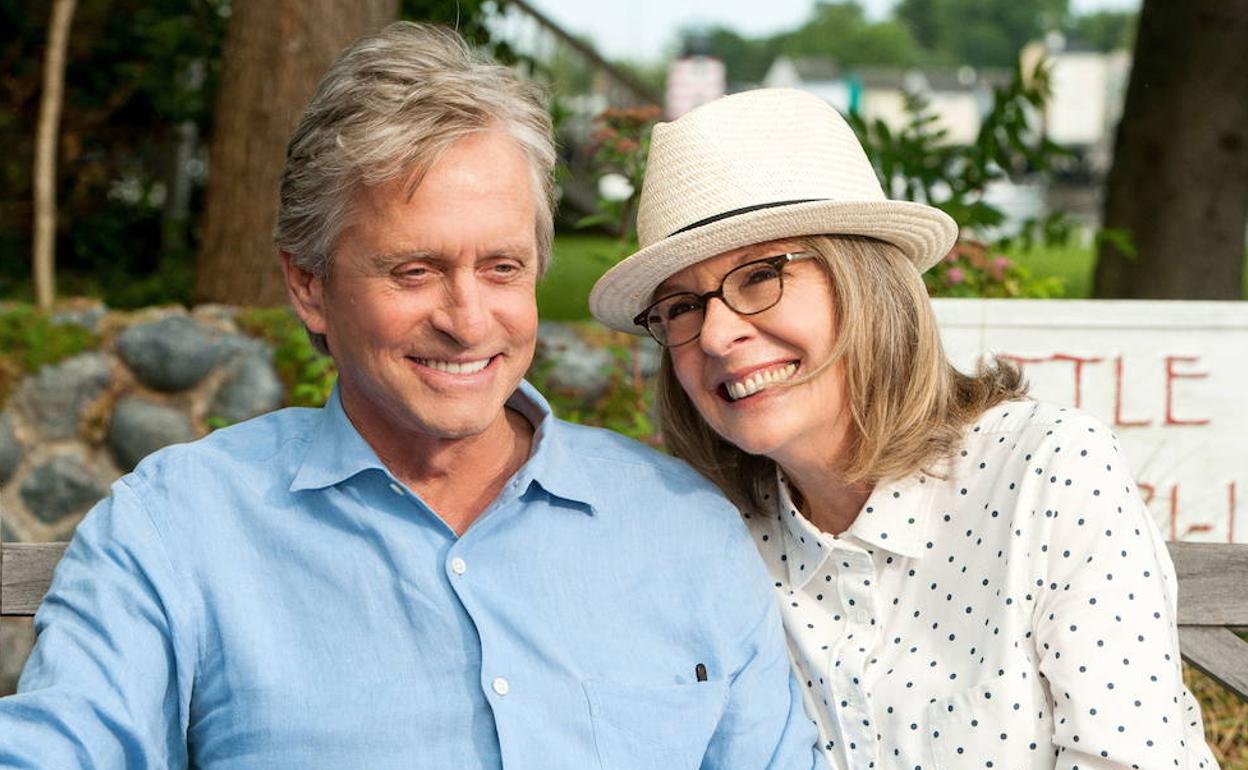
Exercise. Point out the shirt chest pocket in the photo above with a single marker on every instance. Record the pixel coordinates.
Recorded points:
(654, 727)
(994, 725)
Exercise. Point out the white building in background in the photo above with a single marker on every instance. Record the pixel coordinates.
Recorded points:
(1088, 89)
(692, 81)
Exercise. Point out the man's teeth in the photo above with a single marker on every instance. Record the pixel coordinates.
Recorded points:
(455, 367)
(760, 380)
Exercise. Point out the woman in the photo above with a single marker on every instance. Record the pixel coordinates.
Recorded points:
(968, 578)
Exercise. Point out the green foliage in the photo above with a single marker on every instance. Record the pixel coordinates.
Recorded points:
(917, 163)
(746, 60)
(30, 339)
(135, 71)
(981, 33)
(625, 405)
(621, 144)
(308, 375)
(840, 31)
(138, 72)
(1105, 30)
(972, 270)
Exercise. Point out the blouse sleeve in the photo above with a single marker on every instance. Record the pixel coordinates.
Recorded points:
(1105, 619)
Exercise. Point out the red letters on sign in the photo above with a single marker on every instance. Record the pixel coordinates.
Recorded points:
(1171, 376)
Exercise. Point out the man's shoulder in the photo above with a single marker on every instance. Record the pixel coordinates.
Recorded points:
(637, 483)
(599, 450)
(246, 448)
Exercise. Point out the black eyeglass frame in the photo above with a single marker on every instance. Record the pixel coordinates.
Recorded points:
(777, 263)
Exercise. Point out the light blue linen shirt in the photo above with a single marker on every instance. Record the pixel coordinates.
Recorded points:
(272, 597)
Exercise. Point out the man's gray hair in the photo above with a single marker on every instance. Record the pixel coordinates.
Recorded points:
(387, 109)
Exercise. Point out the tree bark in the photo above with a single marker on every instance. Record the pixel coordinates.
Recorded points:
(275, 52)
(51, 101)
(1178, 187)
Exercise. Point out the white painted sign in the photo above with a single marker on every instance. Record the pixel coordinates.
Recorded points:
(1168, 377)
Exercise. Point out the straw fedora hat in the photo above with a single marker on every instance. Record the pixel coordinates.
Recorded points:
(753, 167)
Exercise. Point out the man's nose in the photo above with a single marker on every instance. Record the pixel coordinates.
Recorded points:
(722, 327)
(463, 315)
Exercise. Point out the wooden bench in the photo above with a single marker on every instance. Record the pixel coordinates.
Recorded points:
(1213, 600)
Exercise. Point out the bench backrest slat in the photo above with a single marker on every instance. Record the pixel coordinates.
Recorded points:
(25, 573)
(1212, 582)
(1218, 652)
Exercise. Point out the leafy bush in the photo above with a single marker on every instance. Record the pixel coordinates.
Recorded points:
(309, 375)
(621, 145)
(30, 339)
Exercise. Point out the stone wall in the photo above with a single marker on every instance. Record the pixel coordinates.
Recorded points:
(72, 428)
(162, 376)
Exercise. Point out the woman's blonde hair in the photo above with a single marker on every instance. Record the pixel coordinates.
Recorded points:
(907, 403)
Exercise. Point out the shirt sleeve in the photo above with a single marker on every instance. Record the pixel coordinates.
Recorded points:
(106, 684)
(764, 724)
(1105, 618)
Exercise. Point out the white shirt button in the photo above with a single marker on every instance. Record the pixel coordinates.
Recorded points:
(458, 566)
(500, 686)
(395, 488)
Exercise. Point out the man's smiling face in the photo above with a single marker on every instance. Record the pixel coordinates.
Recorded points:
(429, 308)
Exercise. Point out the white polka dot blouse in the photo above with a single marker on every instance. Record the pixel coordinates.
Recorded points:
(1015, 609)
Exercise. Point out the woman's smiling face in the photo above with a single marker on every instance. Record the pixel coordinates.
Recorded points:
(731, 370)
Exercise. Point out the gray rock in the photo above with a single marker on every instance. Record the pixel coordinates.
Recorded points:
(251, 388)
(11, 450)
(57, 395)
(62, 486)
(140, 427)
(570, 363)
(649, 354)
(233, 345)
(174, 353)
(87, 317)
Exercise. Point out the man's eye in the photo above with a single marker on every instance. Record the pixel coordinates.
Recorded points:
(412, 272)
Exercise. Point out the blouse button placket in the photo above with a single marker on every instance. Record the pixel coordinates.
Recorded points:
(853, 651)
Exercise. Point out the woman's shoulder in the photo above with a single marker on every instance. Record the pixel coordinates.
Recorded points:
(1019, 415)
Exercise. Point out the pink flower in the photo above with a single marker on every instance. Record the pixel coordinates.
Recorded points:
(954, 276)
(999, 266)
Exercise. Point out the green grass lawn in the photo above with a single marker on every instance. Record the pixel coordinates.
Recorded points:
(1072, 264)
(580, 259)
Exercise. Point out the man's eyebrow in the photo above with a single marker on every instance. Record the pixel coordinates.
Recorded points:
(386, 261)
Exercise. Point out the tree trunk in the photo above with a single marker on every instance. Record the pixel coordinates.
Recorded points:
(44, 253)
(1178, 188)
(275, 52)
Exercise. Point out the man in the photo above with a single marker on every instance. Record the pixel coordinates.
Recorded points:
(432, 571)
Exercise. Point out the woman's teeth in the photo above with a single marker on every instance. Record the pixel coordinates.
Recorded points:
(759, 380)
(455, 367)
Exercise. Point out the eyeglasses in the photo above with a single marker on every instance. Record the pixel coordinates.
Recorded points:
(746, 289)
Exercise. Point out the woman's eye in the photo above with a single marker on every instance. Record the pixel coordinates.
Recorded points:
(761, 274)
(679, 308)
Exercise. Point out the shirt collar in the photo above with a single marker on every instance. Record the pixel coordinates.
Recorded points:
(337, 451)
(895, 518)
(804, 551)
(554, 463)
(897, 515)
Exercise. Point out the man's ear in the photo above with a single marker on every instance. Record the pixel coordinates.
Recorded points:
(306, 292)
